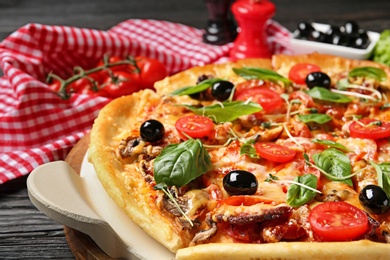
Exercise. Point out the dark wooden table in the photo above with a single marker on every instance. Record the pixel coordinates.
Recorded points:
(25, 233)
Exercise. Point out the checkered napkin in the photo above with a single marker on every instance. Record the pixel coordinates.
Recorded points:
(36, 126)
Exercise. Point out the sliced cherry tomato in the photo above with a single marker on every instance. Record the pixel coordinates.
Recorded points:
(254, 83)
(303, 97)
(152, 70)
(274, 152)
(369, 129)
(243, 200)
(195, 126)
(299, 71)
(120, 83)
(269, 100)
(338, 221)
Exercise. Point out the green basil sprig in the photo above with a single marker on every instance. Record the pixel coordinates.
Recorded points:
(316, 118)
(298, 195)
(369, 72)
(178, 164)
(260, 73)
(226, 111)
(383, 175)
(332, 144)
(336, 164)
(324, 94)
(202, 86)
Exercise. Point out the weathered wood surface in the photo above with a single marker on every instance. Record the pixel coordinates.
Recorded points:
(25, 233)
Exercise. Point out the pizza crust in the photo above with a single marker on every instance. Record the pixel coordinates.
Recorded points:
(113, 124)
(127, 193)
(362, 249)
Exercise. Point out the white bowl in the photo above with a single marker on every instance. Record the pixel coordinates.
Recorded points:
(305, 46)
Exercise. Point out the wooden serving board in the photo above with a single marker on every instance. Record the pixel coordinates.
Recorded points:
(81, 245)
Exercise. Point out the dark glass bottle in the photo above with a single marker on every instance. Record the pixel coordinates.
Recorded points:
(220, 28)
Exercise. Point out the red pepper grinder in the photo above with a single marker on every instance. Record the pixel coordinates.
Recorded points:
(251, 16)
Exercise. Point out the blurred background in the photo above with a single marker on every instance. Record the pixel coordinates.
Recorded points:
(103, 14)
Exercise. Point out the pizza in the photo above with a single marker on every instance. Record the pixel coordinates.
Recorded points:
(280, 158)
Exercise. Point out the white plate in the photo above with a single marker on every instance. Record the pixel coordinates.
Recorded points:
(80, 202)
(304, 46)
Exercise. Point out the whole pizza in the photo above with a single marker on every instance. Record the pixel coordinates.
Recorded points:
(282, 158)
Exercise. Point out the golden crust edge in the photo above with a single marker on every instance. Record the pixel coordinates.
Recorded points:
(100, 153)
(362, 249)
(222, 70)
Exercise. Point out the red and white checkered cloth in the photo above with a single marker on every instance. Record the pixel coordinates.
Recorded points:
(36, 126)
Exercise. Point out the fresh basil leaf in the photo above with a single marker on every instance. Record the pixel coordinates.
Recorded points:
(369, 72)
(324, 94)
(383, 175)
(249, 150)
(335, 163)
(331, 144)
(298, 195)
(260, 73)
(317, 118)
(202, 86)
(178, 164)
(226, 111)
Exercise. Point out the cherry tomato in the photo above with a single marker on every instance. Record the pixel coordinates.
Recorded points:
(195, 126)
(81, 85)
(151, 70)
(338, 221)
(253, 83)
(369, 129)
(120, 83)
(54, 85)
(274, 152)
(299, 71)
(267, 98)
(114, 59)
(90, 92)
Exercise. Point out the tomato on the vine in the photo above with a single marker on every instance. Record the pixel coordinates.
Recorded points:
(299, 71)
(112, 78)
(54, 85)
(195, 126)
(269, 100)
(81, 85)
(274, 152)
(115, 59)
(338, 221)
(367, 128)
(151, 70)
(120, 83)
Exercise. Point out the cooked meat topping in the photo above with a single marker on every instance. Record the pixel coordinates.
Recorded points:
(135, 146)
(131, 147)
(205, 235)
(257, 215)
